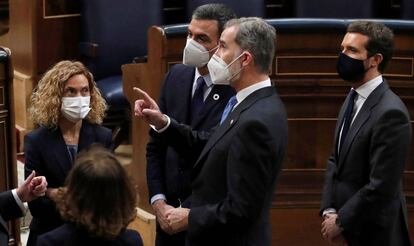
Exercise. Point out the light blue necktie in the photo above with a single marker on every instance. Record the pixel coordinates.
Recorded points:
(229, 107)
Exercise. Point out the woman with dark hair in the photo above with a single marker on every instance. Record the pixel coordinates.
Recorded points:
(98, 203)
(68, 108)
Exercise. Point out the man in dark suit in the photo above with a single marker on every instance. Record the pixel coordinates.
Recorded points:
(363, 202)
(188, 96)
(235, 174)
(11, 202)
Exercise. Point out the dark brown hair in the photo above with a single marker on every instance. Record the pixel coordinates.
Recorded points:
(380, 39)
(214, 11)
(99, 196)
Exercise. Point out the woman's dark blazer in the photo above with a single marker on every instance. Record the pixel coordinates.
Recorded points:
(46, 153)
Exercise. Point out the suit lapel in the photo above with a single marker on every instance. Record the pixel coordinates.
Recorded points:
(184, 94)
(233, 117)
(362, 117)
(58, 146)
(86, 136)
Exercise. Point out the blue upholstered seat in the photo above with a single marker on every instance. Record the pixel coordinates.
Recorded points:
(113, 33)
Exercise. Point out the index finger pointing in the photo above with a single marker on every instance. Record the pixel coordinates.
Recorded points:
(144, 95)
(141, 93)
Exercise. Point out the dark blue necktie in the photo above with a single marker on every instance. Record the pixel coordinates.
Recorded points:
(198, 98)
(348, 116)
(229, 107)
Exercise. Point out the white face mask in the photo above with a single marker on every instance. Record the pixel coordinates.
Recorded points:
(220, 72)
(75, 108)
(195, 55)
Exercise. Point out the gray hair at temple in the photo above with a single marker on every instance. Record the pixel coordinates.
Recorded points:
(214, 11)
(258, 37)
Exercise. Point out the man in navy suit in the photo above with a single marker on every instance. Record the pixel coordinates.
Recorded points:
(235, 174)
(11, 202)
(188, 96)
(363, 201)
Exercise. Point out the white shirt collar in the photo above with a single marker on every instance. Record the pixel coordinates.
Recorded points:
(367, 88)
(241, 95)
(206, 77)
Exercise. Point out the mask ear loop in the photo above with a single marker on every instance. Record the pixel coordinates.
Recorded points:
(241, 68)
(214, 48)
(208, 51)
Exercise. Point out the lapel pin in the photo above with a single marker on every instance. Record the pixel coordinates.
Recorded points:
(216, 97)
(231, 121)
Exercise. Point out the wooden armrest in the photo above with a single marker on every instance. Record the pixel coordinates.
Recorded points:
(145, 224)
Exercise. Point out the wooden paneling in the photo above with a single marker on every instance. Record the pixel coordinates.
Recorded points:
(56, 39)
(37, 43)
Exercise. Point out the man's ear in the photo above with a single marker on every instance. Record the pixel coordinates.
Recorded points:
(377, 59)
(246, 59)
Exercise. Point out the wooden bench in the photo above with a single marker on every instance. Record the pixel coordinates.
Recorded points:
(304, 72)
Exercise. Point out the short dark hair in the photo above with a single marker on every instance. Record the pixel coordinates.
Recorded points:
(214, 11)
(380, 39)
(99, 196)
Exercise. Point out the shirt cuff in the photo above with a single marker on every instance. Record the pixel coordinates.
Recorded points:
(18, 201)
(164, 128)
(328, 211)
(158, 197)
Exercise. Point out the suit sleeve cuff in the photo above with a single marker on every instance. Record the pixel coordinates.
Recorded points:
(158, 197)
(164, 128)
(328, 211)
(18, 201)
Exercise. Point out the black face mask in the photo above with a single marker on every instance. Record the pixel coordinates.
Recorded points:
(350, 69)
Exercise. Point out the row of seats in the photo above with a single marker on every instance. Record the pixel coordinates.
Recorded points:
(115, 32)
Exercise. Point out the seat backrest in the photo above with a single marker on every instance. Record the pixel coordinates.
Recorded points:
(119, 28)
(407, 9)
(336, 8)
(242, 8)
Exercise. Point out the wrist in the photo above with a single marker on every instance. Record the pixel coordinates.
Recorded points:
(19, 192)
(159, 204)
(162, 123)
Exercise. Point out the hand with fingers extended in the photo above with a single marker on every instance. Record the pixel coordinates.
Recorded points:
(147, 109)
